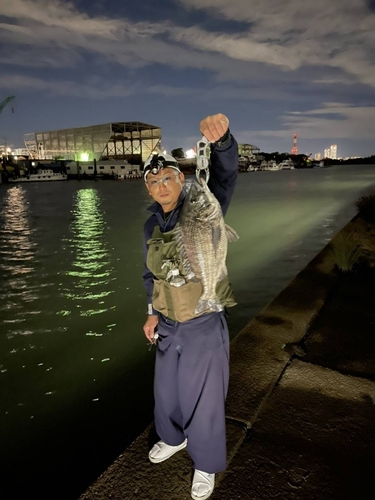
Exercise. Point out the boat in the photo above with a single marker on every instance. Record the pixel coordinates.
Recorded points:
(131, 174)
(41, 175)
(286, 165)
(272, 166)
(242, 163)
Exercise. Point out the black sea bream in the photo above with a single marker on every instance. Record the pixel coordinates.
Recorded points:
(203, 242)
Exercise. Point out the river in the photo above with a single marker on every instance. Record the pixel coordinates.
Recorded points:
(75, 370)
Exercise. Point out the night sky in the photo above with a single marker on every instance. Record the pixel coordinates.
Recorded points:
(274, 67)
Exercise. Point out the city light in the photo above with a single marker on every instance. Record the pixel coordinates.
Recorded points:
(331, 152)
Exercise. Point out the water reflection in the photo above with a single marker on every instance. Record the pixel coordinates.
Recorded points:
(91, 270)
(17, 252)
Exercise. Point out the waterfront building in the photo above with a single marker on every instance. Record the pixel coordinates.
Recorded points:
(130, 141)
(333, 149)
(248, 150)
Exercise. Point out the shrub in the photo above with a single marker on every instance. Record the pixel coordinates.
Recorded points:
(366, 207)
(347, 250)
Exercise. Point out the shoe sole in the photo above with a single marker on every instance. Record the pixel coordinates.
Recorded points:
(207, 495)
(159, 460)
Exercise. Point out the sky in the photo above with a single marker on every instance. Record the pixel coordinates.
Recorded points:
(273, 67)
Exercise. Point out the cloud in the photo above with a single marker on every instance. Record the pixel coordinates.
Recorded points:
(338, 34)
(333, 120)
(285, 56)
(283, 34)
(97, 88)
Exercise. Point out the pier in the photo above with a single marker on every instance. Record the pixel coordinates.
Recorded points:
(301, 401)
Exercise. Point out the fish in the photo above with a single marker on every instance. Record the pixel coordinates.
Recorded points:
(203, 242)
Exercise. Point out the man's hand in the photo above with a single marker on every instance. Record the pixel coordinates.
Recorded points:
(214, 127)
(149, 327)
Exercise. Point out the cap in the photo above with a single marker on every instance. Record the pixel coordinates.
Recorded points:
(156, 162)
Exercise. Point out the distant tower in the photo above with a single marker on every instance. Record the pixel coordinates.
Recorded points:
(294, 148)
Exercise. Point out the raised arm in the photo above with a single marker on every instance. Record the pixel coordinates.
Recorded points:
(224, 158)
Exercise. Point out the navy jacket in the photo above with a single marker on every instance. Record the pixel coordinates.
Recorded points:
(223, 176)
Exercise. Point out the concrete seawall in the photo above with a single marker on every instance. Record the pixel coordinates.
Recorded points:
(277, 410)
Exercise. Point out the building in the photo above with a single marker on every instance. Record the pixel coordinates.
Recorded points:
(317, 156)
(331, 152)
(20, 152)
(333, 149)
(130, 141)
(247, 150)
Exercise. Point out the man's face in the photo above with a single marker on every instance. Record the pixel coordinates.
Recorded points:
(165, 187)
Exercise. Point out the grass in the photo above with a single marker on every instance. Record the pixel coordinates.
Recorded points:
(347, 250)
(366, 206)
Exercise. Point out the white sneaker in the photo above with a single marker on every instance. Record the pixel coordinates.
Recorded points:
(162, 451)
(203, 485)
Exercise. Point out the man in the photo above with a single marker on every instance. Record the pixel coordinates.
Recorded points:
(191, 368)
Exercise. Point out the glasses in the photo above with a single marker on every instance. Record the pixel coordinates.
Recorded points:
(164, 180)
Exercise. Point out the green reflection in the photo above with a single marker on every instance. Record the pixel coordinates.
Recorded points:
(91, 271)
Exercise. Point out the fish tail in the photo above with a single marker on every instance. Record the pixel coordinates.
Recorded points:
(205, 305)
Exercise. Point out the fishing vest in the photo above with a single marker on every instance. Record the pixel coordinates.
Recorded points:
(177, 302)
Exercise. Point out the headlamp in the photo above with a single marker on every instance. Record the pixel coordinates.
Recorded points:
(157, 163)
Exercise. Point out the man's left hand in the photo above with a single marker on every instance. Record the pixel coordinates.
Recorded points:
(214, 127)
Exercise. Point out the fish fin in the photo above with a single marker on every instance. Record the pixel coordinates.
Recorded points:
(231, 233)
(205, 305)
(216, 235)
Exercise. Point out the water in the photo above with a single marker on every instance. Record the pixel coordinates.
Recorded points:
(75, 370)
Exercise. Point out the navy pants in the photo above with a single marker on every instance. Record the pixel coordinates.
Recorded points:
(190, 387)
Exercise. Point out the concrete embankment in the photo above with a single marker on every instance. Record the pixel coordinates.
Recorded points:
(301, 402)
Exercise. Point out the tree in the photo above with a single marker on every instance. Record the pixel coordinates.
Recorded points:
(178, 153)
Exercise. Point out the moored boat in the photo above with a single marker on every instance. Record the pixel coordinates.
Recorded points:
(286, 165)
(41, 175)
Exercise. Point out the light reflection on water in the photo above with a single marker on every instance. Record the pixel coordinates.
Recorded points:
(74, 365)
(17, 261)
(91, 270)
(17, 248)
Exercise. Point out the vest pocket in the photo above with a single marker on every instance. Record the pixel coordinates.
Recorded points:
(176, 303)
(184, 300)
(159, 301)
(179, 303)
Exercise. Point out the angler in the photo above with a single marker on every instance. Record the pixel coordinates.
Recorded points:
(192, 342)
